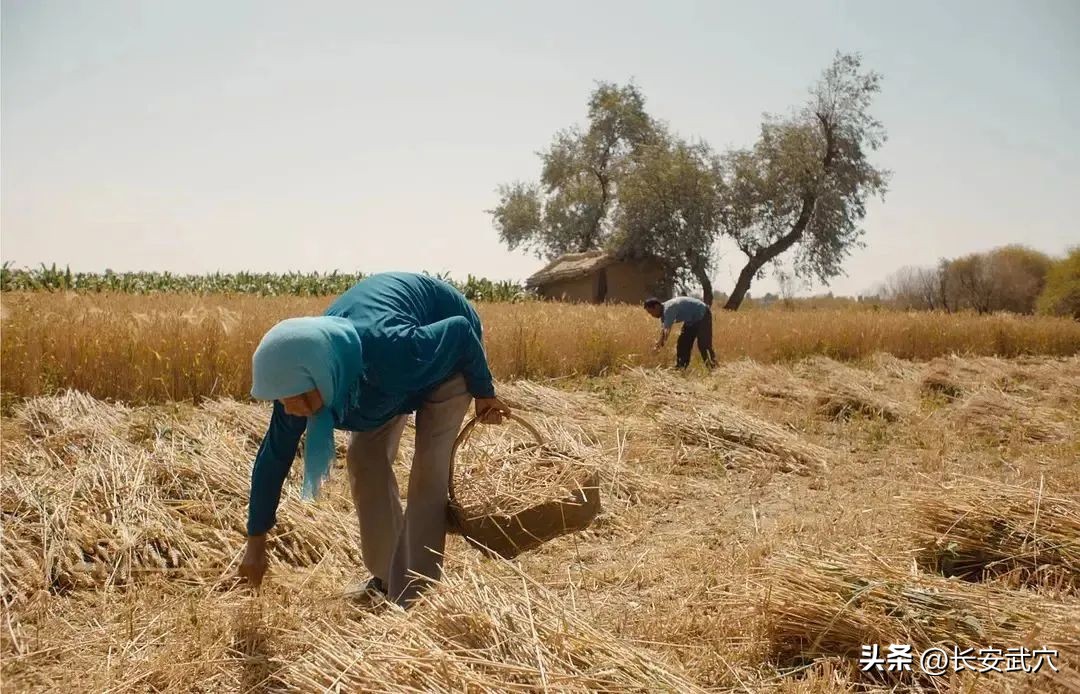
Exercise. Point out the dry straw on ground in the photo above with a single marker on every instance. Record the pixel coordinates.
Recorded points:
(839, 391)
(101, 500)
(481, 633)
(1003, 417)
(768, 381)
(668, 589)
(571, 407)
(833, 390)
(98, 495)
(954, 377)
(981, 530)
(843, 401)
(832, 605)
(742, 439)
(694, 415)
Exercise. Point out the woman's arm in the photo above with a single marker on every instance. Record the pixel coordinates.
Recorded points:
(272, 465)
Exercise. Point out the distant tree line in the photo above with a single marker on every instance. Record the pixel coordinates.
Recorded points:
(1011, 278)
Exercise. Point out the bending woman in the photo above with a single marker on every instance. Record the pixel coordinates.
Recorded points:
(394, 344)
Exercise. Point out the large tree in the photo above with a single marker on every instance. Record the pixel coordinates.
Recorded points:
(1009, 278)
(571, 209)
(805, 183)
(624, 185)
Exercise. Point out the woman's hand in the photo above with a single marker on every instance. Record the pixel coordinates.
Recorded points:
(253, 565)
(491, 410)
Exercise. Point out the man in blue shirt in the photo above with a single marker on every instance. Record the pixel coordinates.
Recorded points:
(394, 344)
(696, 318)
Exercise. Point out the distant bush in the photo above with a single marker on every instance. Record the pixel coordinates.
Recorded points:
(1009, 278)
(1061, 296)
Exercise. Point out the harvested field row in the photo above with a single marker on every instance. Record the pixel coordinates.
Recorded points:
(668, 590)
(742, 440)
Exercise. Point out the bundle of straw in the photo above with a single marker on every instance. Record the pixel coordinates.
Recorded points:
(541, 399)
(93, 497)
(1002, 417)
(484, 628)
(843, 400)
(730, 430)
(833, 605)
(894, 367)
(661, 387)
(954, 376)
(839, 391)
(1053, 380)
(938, 379)
(766, 380)
(820, 369)
(986, 530)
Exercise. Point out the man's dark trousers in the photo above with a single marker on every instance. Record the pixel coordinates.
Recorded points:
(700, 331)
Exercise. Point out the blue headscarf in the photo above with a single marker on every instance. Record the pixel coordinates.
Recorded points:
(297, 355)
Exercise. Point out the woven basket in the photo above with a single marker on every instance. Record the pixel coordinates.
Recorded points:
(508, 535)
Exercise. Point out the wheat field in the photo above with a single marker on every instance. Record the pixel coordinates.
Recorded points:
(173, 347)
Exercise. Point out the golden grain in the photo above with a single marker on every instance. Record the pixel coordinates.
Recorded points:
(175, 347)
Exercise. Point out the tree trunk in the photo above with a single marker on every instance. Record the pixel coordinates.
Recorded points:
(706, 286)
(764, 255)
(759, 259)
(741, 286)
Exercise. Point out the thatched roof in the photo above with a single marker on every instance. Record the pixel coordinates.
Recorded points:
(570, 266)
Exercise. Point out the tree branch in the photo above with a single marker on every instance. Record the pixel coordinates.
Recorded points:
(601, 177)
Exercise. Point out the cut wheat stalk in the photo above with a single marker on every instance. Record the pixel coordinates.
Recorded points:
(1022, 536)
(832, 606)
(99, 495)
(479, 632)
(728, 429)
(1003, 417)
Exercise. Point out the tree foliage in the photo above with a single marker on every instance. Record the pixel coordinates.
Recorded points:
(571, 208)
(920, 288)
(1009, 278)
(624, 185)
(669, 209)
(1061, 294)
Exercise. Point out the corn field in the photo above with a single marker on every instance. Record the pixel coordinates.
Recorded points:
(54, 279)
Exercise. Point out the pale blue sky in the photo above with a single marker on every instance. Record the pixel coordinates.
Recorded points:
(195, 136)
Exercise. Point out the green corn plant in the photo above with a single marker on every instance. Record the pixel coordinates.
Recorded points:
(52, 279)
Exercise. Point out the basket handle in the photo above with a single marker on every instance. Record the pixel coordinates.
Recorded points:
(467, 430)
